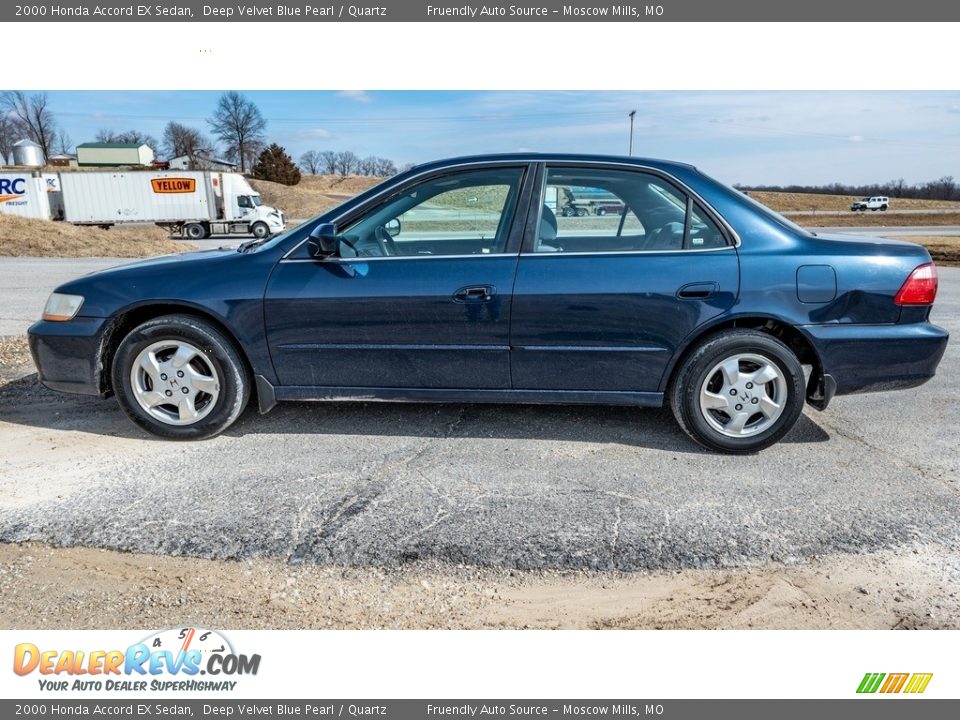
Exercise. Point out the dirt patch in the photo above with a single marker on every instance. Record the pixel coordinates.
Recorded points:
(314, 193)
(784, 202)
(15, 359)
(79, 588)
(24, 237)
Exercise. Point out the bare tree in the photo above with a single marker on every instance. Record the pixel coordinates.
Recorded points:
(31, 116)
(367, 166)
(132, 137)
(385, 167)
(946, 187)
(64, 144)
(9, 136)
(180, 140)
(347, 162)
(329, 160)
(312, 162)
(239, 126)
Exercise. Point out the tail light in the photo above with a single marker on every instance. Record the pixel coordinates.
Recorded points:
(920, 288)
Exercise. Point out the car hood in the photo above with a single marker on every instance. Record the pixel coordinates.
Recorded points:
(172, 259)
(209, 279)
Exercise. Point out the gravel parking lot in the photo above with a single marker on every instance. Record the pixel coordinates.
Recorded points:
(500, 487)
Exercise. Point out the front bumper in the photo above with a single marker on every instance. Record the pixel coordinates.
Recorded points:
(68, 355)
(870, 358)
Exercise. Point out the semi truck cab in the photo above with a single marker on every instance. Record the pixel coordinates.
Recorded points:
(241, 210)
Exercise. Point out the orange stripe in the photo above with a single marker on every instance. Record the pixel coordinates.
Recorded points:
(186, 642)
(903, 679)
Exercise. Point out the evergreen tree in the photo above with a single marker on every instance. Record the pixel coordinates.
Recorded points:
(275, 165)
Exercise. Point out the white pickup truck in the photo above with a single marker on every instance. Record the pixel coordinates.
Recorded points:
(877, 202)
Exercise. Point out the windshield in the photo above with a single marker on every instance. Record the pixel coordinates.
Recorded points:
(255, 199)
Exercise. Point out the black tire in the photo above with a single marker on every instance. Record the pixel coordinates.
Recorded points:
(684, 391)
(195, 231)
(883, 208)
(581, 212)
(220, 352)
(601, 212)
(260, 230)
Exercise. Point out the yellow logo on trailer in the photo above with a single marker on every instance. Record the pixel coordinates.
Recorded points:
(174, 185)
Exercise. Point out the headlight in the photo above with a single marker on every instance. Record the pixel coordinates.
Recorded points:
(61, 307)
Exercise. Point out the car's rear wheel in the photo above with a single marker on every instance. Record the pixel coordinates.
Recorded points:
(180, 378)
(738, 391)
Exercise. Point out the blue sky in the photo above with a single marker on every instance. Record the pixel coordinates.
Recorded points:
(747, 137)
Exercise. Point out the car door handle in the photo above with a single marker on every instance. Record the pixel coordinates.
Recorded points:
(475, 294)
(697, 291)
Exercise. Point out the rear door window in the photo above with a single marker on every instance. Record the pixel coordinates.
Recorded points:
(598, 210)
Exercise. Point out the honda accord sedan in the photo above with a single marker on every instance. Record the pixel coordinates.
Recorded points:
(463, 281)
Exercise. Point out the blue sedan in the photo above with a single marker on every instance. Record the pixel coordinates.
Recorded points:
(465, 281)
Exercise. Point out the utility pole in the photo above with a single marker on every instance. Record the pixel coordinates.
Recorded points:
(632, 114)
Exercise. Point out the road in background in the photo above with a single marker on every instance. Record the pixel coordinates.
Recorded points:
(25, 284)
(892, 232)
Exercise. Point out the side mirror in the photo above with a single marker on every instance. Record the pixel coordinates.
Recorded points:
(323, 240)
(393, 227)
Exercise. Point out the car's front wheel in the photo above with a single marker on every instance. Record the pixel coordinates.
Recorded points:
(180, 378)
(738, 391)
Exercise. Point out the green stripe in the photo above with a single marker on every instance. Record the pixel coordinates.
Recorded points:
(871, 682)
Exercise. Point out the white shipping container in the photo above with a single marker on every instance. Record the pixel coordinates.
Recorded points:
(106, 198)
(24, 194)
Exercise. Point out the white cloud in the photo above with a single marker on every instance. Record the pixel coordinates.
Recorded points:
(360, 96)
(855, 138)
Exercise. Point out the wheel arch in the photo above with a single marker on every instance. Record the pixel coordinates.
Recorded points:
(129, 318)
(787, 333)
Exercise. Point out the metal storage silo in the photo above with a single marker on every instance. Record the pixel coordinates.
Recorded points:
(27, 153)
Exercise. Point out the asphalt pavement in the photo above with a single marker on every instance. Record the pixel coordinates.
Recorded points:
(568, 487)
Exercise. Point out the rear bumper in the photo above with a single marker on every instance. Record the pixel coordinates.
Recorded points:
(68, 354)
(869, 358)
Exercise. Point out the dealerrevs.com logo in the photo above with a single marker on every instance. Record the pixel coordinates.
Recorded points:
(181, 659)
(893, 683)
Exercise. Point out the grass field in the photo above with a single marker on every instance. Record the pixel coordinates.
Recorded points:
(314, 193)
(945, 250)
(807, 202)
(23, 237)
(877, 220)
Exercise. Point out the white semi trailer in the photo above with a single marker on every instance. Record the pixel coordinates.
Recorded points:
(24, 194)
(194, 203)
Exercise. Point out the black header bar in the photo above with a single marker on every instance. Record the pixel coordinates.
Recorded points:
(852, 11)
